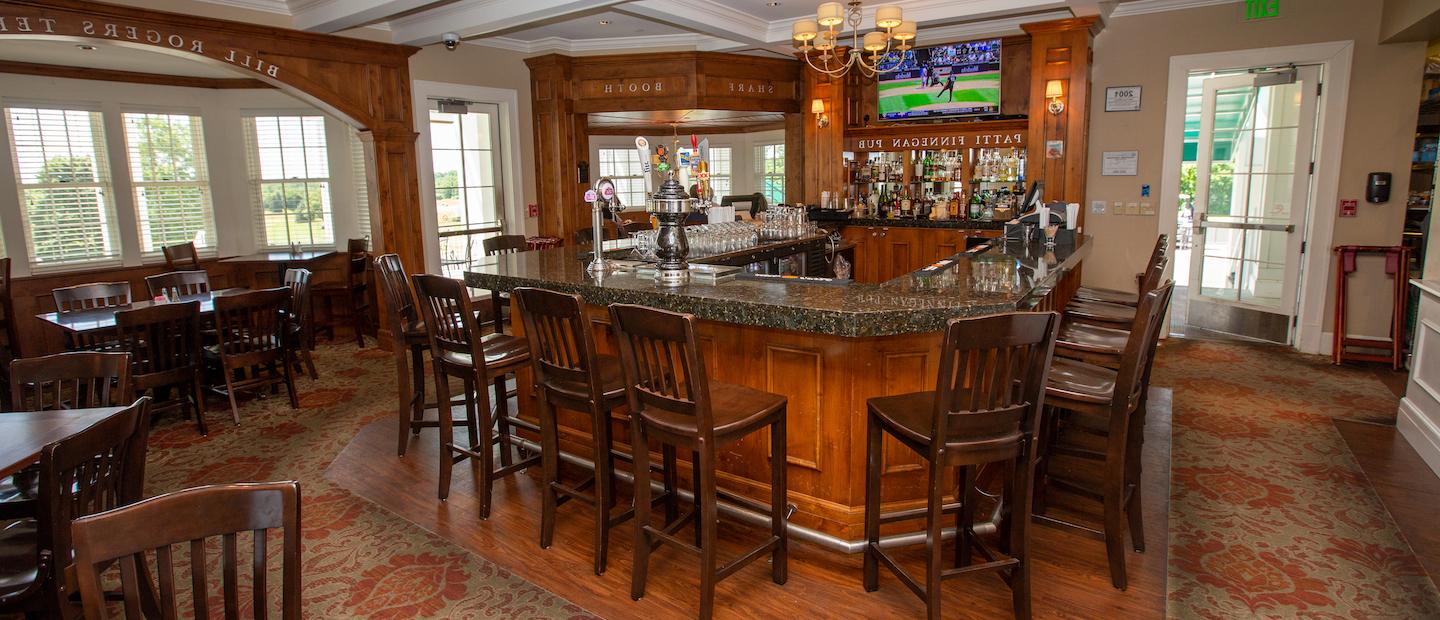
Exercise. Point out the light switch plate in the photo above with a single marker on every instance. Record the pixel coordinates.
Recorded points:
(1132, 208)
(1097, 207)
(1118, 207)
(1147, 208)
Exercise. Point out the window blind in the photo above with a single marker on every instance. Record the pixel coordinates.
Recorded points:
(770, 169)
(720, 171)
(362, 186)
(171, 181)
(623, 167)
(290, 180)
(64, 181)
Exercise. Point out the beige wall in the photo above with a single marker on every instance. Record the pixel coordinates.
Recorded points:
(1383, 105)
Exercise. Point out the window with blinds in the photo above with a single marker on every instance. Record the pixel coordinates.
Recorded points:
(171, 181)
(362, 186)
(622, 165)
(64, 180)
(290, 180)
(720, 171)
(770, 169)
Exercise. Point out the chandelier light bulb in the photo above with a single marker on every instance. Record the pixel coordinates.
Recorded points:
(804, 30)
(888, 16)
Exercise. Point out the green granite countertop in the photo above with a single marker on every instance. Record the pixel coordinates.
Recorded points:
(1001, 279)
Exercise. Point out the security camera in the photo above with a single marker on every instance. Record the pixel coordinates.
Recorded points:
(451, 40)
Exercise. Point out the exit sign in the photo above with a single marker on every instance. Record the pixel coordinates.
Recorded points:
(1262, 9)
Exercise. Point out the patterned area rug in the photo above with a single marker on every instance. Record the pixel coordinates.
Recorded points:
(359, 561)
(1270, 515)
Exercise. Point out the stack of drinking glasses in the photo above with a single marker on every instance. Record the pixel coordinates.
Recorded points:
(785, 223)
(711, 239)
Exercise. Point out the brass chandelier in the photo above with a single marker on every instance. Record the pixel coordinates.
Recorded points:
(822, 33)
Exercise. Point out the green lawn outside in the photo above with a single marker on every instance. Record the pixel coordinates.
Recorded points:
(275, 231)
(900, 103)
(969, 77)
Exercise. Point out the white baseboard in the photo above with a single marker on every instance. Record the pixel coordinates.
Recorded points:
(1421, 432)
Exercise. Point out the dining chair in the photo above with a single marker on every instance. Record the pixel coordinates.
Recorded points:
(94, 470)
(187, 282)
(983, 412)
(99, 295)
(672, 401)
(131, 535)
(300, 329)
(353, 291)
(1086, 401)
(182, 257)
(74, 380)
(252, 339)
(9, 338)
(165, 347)
(458, 349)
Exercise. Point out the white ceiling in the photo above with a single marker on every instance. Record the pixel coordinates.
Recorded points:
(113, 57)
(729, 25)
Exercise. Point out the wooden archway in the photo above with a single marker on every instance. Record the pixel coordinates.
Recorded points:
(366, 83)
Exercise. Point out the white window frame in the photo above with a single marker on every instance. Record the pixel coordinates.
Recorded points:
(517, 220)
(761, 175)
(201, 182)
(257, 182)
(105, 184)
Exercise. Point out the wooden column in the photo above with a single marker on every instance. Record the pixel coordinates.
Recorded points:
(824, 158)
(559, 145)
(1060, 50)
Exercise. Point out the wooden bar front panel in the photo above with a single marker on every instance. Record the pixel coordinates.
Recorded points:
(827, 380)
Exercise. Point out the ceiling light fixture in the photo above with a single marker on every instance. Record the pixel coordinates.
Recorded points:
(88, 48)
(604, 22)
(822, 33)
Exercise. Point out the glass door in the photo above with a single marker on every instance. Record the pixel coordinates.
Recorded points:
(465, 150)
(1252, 192)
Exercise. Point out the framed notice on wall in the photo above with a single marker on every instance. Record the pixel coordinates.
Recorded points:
(1122, 99)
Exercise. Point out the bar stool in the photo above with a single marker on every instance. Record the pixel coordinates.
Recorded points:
(1097, 401)
(673, 401)
(570, 374)
(1125, 298)
(985, 409)
(458, 349)
(1116, 315)
(1102, 344)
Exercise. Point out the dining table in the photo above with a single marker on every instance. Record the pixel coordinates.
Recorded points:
(282, 259)
(103, 319)
(24, 434)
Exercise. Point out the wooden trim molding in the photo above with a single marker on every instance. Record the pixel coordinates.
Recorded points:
(132, 77)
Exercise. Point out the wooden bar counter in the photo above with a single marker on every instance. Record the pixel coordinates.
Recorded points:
(826, 347)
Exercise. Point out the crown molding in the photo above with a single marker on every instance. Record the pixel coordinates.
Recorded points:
(1143, 7)
(279, 7)
(611, 44)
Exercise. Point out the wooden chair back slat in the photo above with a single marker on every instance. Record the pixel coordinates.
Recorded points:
(298, 281)
(192, 516)
(77, 380)
(163, 341)
(94, 470)
(662, 363)
(1140, 346)
(182, 257)
(395, 290)
(561, 343)
(91, 296)
(251, 326)
(449, 316)
(187, 282)
(992, 380)
(504, 244)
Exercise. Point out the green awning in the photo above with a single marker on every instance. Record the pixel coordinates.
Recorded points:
(1233, 109)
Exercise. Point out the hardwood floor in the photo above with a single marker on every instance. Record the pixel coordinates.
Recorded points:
(1070, 575)
(1405, 484)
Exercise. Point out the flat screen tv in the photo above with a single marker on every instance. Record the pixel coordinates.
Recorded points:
(960, 79)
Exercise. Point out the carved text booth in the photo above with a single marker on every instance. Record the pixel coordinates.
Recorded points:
(361, 83)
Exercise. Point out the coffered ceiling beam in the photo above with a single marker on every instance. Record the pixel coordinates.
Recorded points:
(478, 18)
(336, 15)
(704, 17)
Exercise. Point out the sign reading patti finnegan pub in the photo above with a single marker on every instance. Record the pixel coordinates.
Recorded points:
(943, 139)
(40, 24)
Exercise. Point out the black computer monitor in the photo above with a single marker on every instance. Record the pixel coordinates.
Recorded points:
(1034, 198)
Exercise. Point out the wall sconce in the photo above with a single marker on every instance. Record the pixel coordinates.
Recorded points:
(1055, 92)
(817, 107)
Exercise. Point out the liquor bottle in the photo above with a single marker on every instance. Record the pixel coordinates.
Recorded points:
(954, 206)
(977, 206)
(906, 204)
